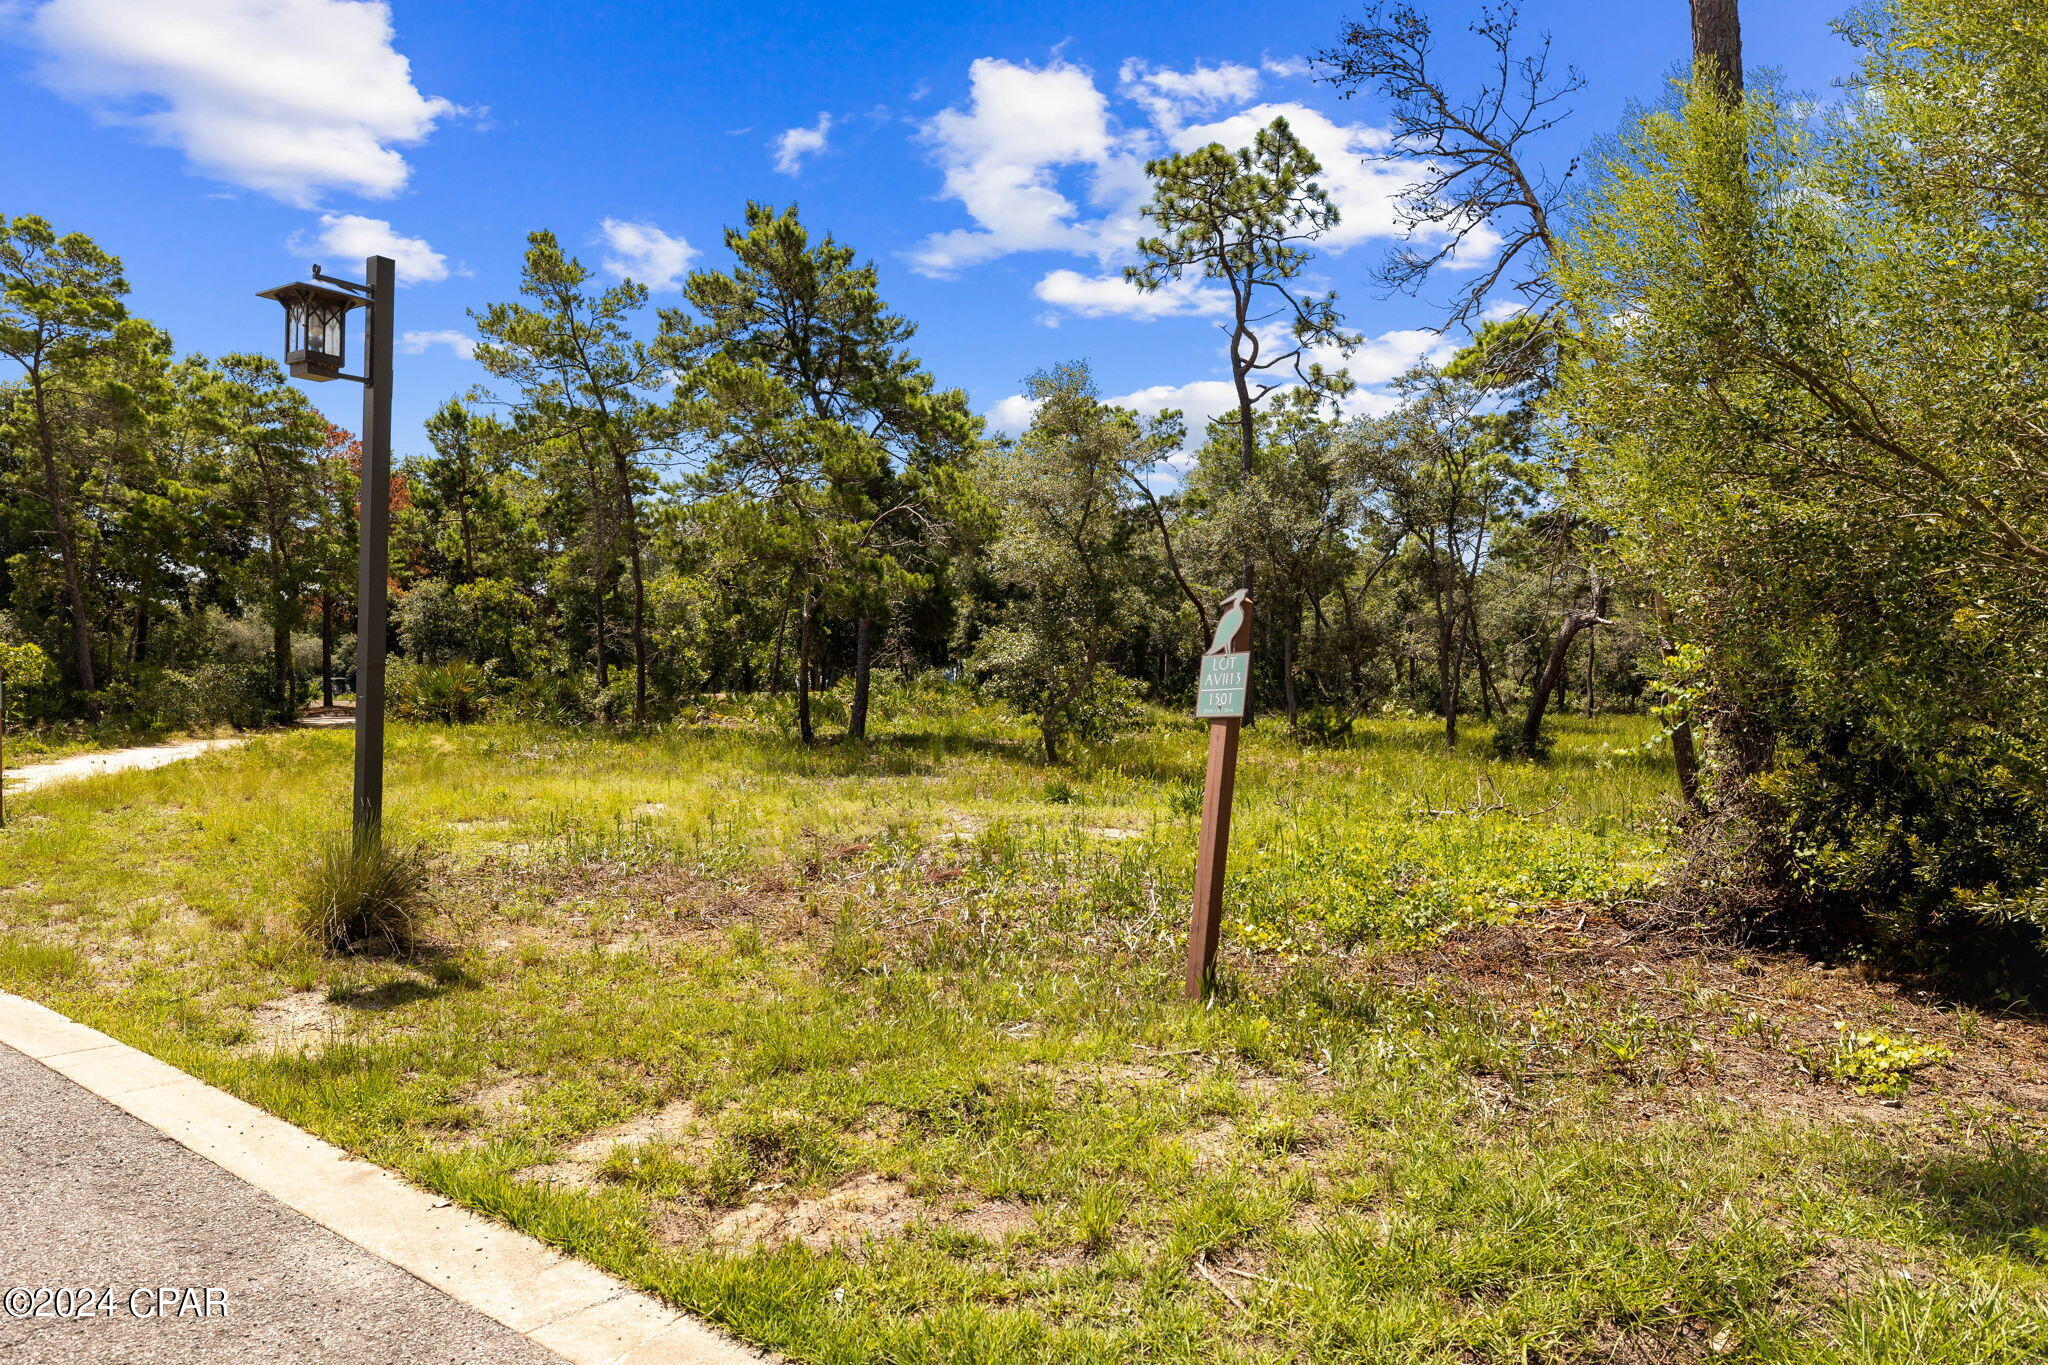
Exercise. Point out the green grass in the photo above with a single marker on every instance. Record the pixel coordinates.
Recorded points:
(939, 967)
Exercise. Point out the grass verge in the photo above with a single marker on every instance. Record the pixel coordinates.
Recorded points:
(873, 1053)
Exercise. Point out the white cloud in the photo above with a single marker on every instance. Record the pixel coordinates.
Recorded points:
(1377, 361)
(346, 238)
(1011, 415)
(643, 252)
(419, 343)
(287, 97)
(1363, 192)
(1170, 96)
(1198, 402)
(1284, 68)
(1001, 155)
(1040, 162)
(1102, 296)
(1392, 354)
(797, 143)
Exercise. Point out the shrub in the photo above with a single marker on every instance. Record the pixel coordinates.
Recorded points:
(1323, 727)
(1507, 743)
(451, 693)
(1875, 1062)
(366, 896)
(219, 691)
(432, 624)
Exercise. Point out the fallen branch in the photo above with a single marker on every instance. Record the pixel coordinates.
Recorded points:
(1262, 1279)
(1202, 1268)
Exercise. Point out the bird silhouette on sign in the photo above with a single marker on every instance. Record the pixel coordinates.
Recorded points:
(1232, 622)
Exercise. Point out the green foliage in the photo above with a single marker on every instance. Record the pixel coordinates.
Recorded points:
(1876, 1062)
(433, 627)
(24, 667)
(1800, 390)
(830, 443)
(453, 693)
(224, 690)
(1098, 1213)
(365, 896)
(1064, 554)
(1001, 1059)
(1508, 741)
(1238, 217)
(1422, 870)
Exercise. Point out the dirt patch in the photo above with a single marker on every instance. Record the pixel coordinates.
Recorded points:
(678, 1124)
(499, 1101)
(662, 902)
(846, 1215)
(1213, 1149)
(297, 1022)
(1679, 1020)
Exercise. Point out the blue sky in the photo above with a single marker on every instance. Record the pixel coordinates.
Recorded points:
(987, 157)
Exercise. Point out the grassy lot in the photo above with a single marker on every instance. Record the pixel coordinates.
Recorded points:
(876, 1054)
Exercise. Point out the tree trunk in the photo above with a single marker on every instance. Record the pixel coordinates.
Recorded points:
(1287, 673)
(1548, 681)
(1551, 679)
(1489, 695)
(140, 654)
(1173, 560)
(1684, 752)
(1455, 687)
(1449, 664)
(775, 658)
(1685, 757)
(468, 545)
(1717, 44)
(1592, 663)
(326, 651)
(67, 551)
(281, 659)
(604, 676)
(803, 670)
(1247, 452)
(639, 631)
(629, 512)
(857, 718)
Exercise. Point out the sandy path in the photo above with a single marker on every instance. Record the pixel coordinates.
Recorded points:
(32, 775)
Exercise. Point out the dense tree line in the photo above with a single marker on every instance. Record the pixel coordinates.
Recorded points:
(764, 490)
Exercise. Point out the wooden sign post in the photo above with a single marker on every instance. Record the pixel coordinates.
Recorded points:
(1226, 676)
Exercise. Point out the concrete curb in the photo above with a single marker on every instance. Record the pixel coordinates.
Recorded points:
(573, 1309)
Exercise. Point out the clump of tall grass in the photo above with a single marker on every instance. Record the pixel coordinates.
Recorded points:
(365, 895)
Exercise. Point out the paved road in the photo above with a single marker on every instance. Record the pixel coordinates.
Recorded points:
(90, 1195)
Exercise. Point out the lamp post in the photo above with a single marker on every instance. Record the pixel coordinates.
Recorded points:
(316, 348)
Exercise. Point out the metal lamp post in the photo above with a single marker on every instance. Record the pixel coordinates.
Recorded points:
(316, 348)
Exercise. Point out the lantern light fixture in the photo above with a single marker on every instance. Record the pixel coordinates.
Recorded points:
(315, 328)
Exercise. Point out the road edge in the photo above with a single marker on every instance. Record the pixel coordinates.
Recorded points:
(562, 1304)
